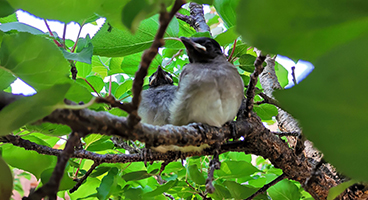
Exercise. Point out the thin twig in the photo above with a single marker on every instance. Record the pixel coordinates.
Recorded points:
(64, 34)
(252, 83)
(293, 75)
(50, 189)
(188, 19)
(98, 94)
(232, 51)
(267, 99)
(48, 28)
(76, 41)
(80, 181)
(214, 164)
(147, 58)
(265, 187)
(297, 134)
(174, 56)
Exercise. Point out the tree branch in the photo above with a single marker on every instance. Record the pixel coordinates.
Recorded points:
(51, 188)
(252, 84)
(147, 58)
(79, 183)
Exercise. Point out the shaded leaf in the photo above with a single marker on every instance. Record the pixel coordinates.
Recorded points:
(20, 27)
(325, 103)
(6, 178)
(31, 108)
(66, 182)
(136, 175)
(195, 175)
(5, 8)
(107, 183)
(29, 161)
(84, 55)
(337, 190)
(226, 10)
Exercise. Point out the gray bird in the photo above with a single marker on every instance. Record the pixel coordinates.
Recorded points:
(156, 100)
(210, 88)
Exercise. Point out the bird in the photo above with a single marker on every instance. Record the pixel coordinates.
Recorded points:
(210, 89)
(155, 101)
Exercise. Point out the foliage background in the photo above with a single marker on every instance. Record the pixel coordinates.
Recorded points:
(330, 104)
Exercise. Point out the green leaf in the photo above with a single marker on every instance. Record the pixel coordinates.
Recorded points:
(221, 191)
(130, 64)
(112, 11)
(91, 138)
(123, 88)
(84, 55)
(134, 12)
(160, 189)
(99, 171)
(76, 10)
(8, 19)
(226, 10)
(227, 37)
(202, 34)
(239, 191)
(96, 82)
(265, 111)
(6, 178)
(66, 182)
(300, 29)
(83, 69)
(238, 156)
(107, 183)
(116, 43)
(78, 93)
(6, 78)
(236, 169)
(27, 160)
(337, 190)
(5, 8)
(136, 175)
(247, 62)
(173, 167)
(195, 175)
(50, 129)
(29, 109)
(284, 190)
(34, 59)
(20, 27)
(102, 144)
(325, 103)
(282, 74)
(86, 189)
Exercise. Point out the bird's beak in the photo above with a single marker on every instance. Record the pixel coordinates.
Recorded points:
(188, 43)
(160, 72)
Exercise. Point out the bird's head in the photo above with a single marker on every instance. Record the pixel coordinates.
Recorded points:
(201, 49)
(160, 77)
